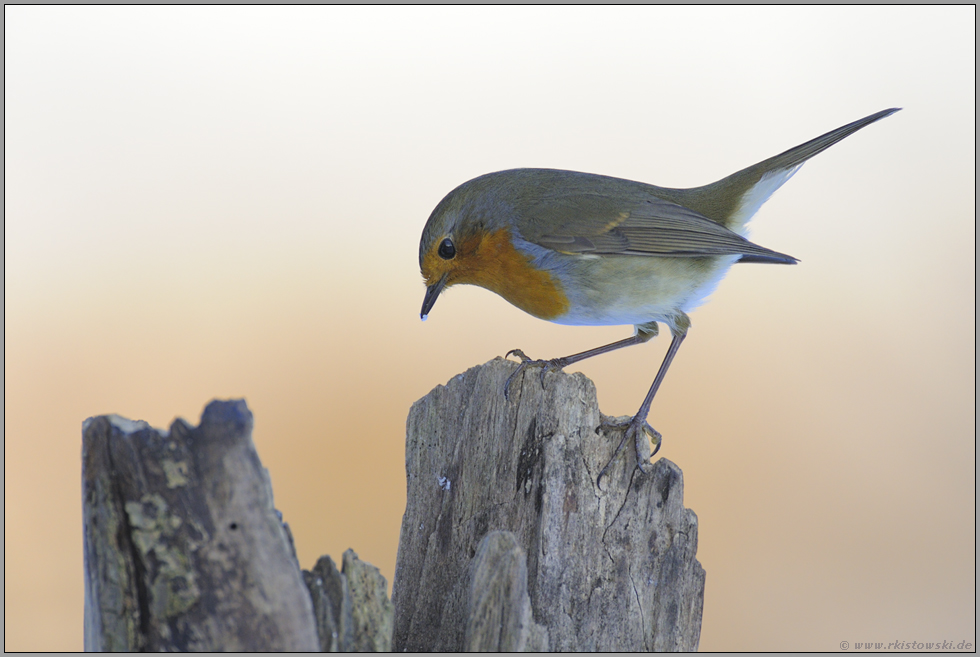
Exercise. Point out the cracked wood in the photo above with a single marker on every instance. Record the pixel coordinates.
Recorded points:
(612, 569)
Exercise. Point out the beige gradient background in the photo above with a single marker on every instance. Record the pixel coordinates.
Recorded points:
(215, 203)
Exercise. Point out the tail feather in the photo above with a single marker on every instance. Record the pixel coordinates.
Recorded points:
(797, 156)
(733, 200)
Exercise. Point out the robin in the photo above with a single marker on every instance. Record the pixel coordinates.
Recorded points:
(585, 249)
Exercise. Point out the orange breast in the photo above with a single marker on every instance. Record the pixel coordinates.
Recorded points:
(491, 261)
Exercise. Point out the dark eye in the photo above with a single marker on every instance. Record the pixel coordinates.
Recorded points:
(446, 250)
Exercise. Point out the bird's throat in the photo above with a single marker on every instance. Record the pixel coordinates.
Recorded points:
(493, 263)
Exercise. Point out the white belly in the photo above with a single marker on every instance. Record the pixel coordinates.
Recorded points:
(614, 290)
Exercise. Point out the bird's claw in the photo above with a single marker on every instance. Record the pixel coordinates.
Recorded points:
(642, 433)
(553, 365)
(519, 353)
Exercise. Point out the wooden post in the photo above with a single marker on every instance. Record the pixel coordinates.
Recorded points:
(503, 507)
(183, 548)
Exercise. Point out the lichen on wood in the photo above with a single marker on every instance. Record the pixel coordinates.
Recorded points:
(183, 547)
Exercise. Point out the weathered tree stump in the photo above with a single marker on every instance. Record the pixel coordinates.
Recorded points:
(503, 507)
(183, 548)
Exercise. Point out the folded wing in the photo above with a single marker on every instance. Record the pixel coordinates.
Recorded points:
(640, 225)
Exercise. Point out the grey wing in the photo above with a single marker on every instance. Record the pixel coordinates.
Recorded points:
(648, 226)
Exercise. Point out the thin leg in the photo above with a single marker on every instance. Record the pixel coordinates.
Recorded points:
(671, 352)
(643, 334)
(638, 426)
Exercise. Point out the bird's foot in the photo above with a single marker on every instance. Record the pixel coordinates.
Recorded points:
(553, 365)
(641, 433)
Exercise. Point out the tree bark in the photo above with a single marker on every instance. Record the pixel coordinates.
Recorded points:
(503, 505)
(183, 548)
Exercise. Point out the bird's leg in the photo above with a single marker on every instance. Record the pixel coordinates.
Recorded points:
(644, 332)
(638, 428)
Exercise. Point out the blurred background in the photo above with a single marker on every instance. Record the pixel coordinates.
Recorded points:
(206, 202)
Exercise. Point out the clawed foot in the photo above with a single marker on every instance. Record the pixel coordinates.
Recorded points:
(553, 365)
(642, 433)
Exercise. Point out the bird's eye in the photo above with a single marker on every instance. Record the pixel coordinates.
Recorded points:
(446, 249)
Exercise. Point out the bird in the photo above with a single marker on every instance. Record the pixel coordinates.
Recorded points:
(586, 249)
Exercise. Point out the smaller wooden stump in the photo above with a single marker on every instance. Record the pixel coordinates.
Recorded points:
(353, 613)
(183, 548)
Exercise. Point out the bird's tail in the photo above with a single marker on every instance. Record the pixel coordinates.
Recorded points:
(733, 200)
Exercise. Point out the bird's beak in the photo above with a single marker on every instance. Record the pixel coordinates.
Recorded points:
(431, 293)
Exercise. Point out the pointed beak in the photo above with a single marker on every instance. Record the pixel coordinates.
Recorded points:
(431, 293)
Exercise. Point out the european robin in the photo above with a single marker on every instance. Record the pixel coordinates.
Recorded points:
(584, 249)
